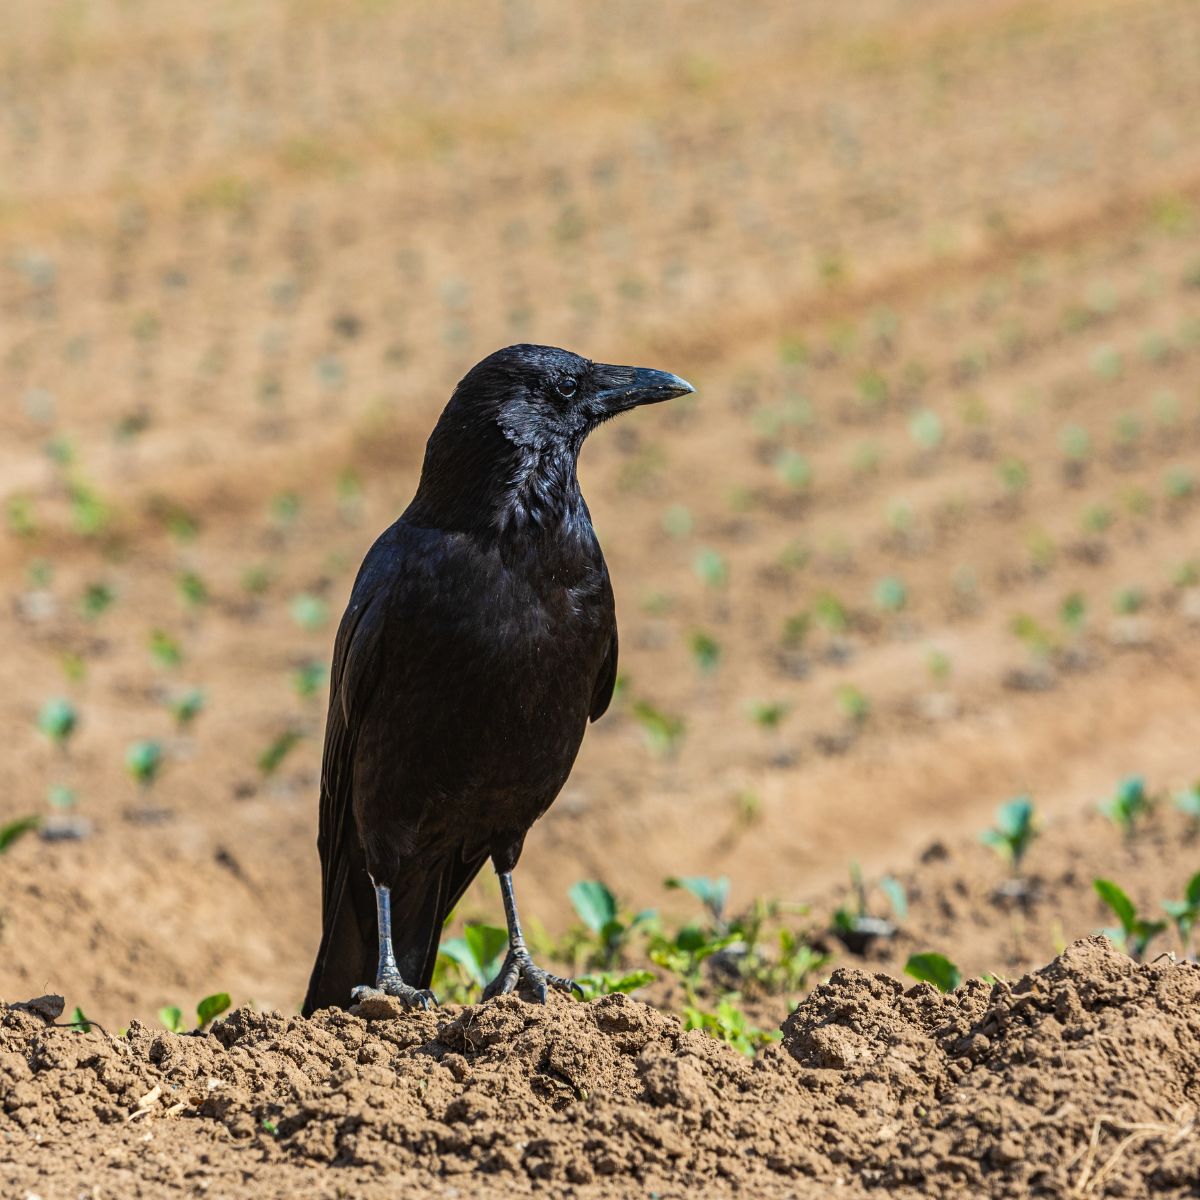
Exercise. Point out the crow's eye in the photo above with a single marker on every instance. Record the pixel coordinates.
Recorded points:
(566, 387)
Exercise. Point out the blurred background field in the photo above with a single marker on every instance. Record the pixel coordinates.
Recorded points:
(924, 539)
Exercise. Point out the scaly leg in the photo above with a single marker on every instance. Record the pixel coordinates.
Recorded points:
(387, 976)
(517, 962)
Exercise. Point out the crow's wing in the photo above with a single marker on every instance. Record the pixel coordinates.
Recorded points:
(605, 682)
(347, 953)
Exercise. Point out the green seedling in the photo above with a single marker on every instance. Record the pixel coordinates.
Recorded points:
(794, 469)
(479, 952)
(795, 630)
(794, 556)
(706, 652)
(1188, 802)
(193, 591)
(1015, 830)
(207, 1011)
(143, 761)
(939, 665)
(663, 731)
(728, 1023)
(854, 925)
(89, 513)
(926, 429)
(186, 707)
(1179, 484)
(677, 521)
(96, 599)
(854, 706)
(271, 759)
(1037, 639)
(1135, 933)
(712, 893)
(829, 612)
(1129, 601)
(74, 666)
(309, 611)
(22, 519)
(711, 568)
(79, 1021)
(608, 930)
(13, 830)
(309, 678)
(1185, 913)
(891, 595)
(936, 969)
(285, 508)
(1128, 806)
(1014, 475)
(61, 798)
(1073, 613)
(768, 714)
(1076, 443)
(686, 952)
(605, 983)
(58, 720)
(165, 650)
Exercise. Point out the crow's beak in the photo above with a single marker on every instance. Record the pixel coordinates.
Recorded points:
(623, 388)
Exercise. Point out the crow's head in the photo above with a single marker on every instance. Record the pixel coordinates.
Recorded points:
(541, 396)
(505, 447)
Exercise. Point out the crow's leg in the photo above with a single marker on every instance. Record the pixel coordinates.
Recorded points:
(517, 962)
(387, 976)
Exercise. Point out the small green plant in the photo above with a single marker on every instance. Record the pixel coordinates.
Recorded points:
(795, 630)
(933, 968)
(853, 704)
(711, 568)
(663, 731)
(1188, 801)
(1072, 612)
(891, 594)
(608, 930)
(768, 714)
(706, 652)
(794, 469)
(271, 759)
(186, 706)
(11, 831)
(207, 1011)
(1015, 830)
(855, 926)
(193, 591)
(165, 650)
(1128, 806)
(728, 1023)
(309, 678)
(58, 720)
(309, 611)
(829, 612)
(478, 953)
(96, 599)
(605, 983)
(1135, 933)
(925, 428)
(712, 893)
(1185, 913)
(143, 761)
(677, 521)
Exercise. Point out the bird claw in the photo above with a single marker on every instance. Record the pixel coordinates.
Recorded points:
(519, 965)
(393, 985)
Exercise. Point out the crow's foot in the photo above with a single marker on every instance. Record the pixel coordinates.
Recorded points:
(517, 966)
(393, 985)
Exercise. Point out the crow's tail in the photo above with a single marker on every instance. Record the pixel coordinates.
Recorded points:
(349, 949)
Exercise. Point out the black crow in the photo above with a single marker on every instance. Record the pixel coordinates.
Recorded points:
(479, 639)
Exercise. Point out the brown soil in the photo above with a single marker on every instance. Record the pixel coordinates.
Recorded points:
(1079, 1079)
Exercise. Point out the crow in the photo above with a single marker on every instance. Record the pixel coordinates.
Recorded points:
(479, 639)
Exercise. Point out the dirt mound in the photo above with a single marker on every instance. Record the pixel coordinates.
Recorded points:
(1081, 1076)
